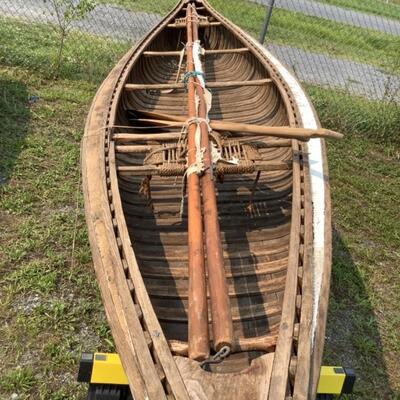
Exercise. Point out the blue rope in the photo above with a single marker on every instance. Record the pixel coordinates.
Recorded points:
(191, 74)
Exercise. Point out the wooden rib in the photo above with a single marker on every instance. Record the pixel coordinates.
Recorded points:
(206, 52)
(212, 85)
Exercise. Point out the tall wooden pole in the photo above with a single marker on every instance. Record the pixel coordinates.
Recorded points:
(220, 304)
(197, 309)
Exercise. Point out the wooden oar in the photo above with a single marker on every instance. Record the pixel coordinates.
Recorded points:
(197, 311)
(286, 132)
(222, 326)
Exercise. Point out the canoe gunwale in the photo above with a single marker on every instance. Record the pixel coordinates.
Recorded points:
(109, 93)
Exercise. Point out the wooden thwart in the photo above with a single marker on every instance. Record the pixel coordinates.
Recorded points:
(144, 170)
(201, 23)
(264, 343)
(206, 52)
(211, 85)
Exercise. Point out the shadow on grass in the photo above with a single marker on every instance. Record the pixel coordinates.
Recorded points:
(14, 119)
(352, 336)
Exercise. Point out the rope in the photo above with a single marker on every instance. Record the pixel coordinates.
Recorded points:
(191, 74)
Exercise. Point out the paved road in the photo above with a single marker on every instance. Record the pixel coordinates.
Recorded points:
(338, 14)
(323, 70)
(106, 20)
(310, 67)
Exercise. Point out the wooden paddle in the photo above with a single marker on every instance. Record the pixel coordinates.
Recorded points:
(286, 132)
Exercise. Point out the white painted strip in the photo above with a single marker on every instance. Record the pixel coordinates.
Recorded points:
(317, 178)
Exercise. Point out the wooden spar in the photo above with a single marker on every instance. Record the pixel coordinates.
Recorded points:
(220, 305)
(286, 132)
(198, 312)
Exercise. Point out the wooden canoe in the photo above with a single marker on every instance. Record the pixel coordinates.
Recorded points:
(273, 205)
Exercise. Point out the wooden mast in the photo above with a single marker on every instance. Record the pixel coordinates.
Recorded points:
(220, 304)
(198, 312)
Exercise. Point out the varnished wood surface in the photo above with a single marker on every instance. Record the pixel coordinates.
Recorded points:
(140, 249)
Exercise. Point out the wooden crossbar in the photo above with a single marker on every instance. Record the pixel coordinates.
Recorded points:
(207, 52)
(201, 24)
(144, 170)
(163, 86)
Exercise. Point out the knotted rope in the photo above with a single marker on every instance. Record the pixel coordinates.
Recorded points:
(191, 74)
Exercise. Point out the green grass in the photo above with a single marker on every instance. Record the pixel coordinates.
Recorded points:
(375, 120)
(363, 314)
(50, 308)
(317, 34)
(49, 304)
(365, 288)
(298, 30)
(375, 7)
(35, 46)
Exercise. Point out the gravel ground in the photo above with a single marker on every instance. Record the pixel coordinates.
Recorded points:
(313, 68)
(338, 14)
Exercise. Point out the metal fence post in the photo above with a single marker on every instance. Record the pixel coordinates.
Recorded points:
(267, 19)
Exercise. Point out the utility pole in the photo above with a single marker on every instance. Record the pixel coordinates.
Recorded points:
(267, 20)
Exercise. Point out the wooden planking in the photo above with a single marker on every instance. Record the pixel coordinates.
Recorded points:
(154, 389)
(159, 341)
(279, 377)
(303, 370)
(300, 304)
(251, 383)
(105, 255)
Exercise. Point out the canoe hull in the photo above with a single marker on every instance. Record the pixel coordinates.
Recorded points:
(142, 336)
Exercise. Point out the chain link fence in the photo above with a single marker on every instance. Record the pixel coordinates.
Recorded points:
(347, 45)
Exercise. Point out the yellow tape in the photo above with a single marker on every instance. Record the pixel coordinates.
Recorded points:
(107, 369)
(331, 380)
